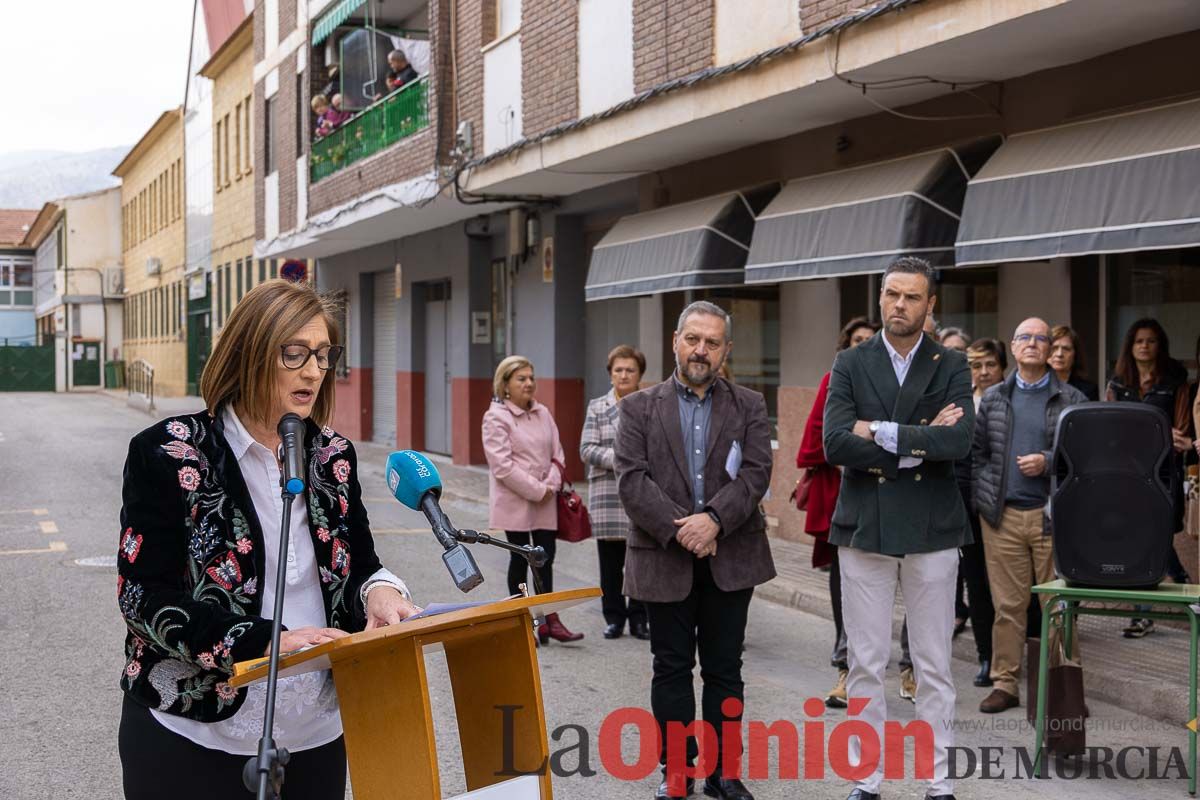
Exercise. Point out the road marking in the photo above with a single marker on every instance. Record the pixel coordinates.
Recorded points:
(37, 512)
(97, 561)
(48, 526)
(55, 547)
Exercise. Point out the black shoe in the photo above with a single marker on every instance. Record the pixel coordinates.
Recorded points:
(639, 630)
(613, 630)
(984, 676)
(939, 797)
(862, 794)
(665, 788)
(726, 789)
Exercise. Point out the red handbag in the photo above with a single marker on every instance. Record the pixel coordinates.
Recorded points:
(803, 485)
(574, 522)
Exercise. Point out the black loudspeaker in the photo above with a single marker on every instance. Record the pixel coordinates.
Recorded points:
(1111, 504)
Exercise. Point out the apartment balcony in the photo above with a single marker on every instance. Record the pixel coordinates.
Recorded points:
(385, 122)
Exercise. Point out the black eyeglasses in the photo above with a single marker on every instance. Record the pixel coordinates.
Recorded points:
(296, 356)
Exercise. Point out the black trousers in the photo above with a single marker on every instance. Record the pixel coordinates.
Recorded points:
(518, 567)
(617, 608)
(158, 763)
(712, 622)
(972, 566)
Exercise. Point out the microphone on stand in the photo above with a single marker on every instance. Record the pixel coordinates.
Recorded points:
(264, 772)
(414, 481)
(291, 436)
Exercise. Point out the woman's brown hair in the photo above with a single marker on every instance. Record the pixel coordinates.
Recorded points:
(625, 351)
(1127, 369)
(850, 327)
(246, 358)
(1079, 365)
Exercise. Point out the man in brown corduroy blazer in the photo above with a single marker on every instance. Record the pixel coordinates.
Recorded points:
(693, 461)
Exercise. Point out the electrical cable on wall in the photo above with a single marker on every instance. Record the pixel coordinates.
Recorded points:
(907, 82)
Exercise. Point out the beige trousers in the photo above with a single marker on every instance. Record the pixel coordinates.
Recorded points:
(1018, 557)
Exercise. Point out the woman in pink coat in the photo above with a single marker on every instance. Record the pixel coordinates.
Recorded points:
(521, 443)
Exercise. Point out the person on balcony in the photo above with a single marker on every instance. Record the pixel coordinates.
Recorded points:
(401, 72)
(336, 116)
(320, 105)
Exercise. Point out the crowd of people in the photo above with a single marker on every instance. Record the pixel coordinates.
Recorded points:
(327, 104)
(925, 463)
(1004, 483)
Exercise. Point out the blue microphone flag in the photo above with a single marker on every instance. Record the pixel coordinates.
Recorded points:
(410, 476)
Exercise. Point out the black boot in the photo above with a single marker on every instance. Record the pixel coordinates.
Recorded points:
(984, 676)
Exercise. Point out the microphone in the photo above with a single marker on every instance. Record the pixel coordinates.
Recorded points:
(291, 435)
(414, 481)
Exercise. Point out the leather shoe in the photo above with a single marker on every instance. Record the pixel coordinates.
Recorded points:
(613, 630)
(862, 794)
(999, 700)
(726, 789)
(639, 630)
(670, 787)
(984, 676)
(939, 797)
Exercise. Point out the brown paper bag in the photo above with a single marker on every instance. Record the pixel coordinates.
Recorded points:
(1066, 711)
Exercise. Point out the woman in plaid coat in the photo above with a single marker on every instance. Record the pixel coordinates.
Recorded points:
(610, 525)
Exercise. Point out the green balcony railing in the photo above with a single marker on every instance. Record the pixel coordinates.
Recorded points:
(377, 127)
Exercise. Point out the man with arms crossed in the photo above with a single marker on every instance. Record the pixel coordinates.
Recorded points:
(898, 415)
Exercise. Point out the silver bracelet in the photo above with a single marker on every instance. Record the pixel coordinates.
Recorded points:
(367, 587)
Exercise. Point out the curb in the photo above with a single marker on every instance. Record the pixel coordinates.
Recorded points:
(1158, 701)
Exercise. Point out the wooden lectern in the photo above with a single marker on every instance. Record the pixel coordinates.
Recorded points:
(384, 697)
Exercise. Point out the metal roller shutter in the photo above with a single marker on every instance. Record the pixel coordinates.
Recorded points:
(383, 426)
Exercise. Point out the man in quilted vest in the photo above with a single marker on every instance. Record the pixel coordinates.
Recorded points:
(1011, 465)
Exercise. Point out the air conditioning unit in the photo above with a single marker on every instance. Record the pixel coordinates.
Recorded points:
(153, 266)
(114, 281)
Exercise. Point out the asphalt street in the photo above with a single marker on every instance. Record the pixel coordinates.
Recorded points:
(61, 640)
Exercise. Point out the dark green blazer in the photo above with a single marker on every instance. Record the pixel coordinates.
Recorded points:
(881, 508)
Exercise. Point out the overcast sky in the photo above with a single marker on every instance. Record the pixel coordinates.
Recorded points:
(86, 74)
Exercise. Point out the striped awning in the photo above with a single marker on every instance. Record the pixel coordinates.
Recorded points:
(697, 245)
(334, 17)
(1115, 184)
(861, 219)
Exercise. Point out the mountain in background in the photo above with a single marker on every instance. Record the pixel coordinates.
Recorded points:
(32, 177)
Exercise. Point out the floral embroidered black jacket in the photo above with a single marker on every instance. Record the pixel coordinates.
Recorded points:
(191, 556)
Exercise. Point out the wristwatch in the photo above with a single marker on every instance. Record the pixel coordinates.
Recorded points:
(874, 426)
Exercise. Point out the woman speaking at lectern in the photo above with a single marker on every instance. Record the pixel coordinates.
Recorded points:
(198, 554)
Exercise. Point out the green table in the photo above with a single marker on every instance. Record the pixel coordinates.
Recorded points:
(1179, 597)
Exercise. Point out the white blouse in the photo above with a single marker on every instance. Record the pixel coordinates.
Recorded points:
(306, 706)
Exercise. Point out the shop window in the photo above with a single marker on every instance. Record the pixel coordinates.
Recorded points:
(1163, 285)
(754, 362)
(968, 299)
(341, 316)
